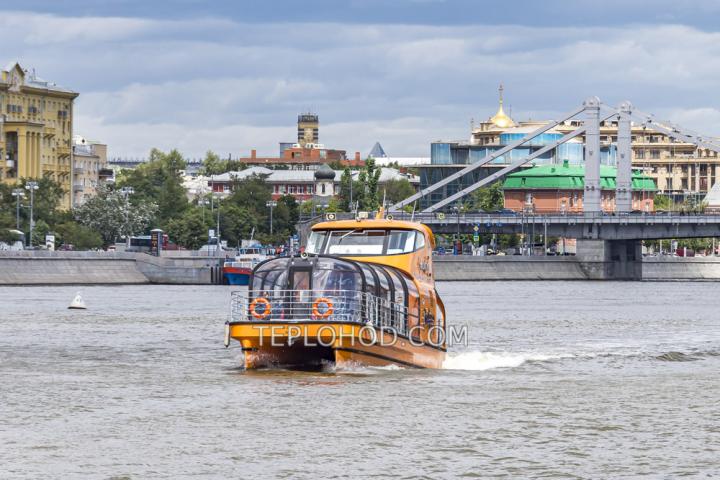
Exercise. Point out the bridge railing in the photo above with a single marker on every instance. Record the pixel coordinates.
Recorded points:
(517, 218)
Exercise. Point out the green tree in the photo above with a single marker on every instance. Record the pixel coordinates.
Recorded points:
(373, 177)
(345, 192)
(108, 214)
(212, 165)
(663, 202)
(191, 229)
(488, 199)
(79, 236)
(158, 181)
(252, 193)
(237, 223)
(293, 210)
(395, 190)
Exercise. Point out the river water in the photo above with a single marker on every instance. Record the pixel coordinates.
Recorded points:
(558, 380)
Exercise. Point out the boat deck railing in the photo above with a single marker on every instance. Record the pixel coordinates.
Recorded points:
(331, 306)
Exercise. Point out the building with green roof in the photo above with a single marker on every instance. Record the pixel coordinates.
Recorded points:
(559, 189)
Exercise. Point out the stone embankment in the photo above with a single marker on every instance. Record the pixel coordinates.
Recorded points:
(69, 268)
(660, 268)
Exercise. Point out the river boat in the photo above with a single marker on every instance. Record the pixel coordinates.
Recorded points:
(362, 293)
(237, 271)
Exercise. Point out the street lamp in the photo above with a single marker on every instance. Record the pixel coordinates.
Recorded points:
(32, 186)
(458, 244)
(271, 204)
(217, 232)
(127, 191)
(17, 193)
(203, 202)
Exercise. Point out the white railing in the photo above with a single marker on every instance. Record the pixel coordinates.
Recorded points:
(332, 306)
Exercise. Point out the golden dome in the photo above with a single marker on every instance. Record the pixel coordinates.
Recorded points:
(501, 119)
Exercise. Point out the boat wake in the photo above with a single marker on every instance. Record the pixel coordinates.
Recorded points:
(475, 360)
(478, 360)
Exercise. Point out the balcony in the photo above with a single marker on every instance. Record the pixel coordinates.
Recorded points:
(78, 187)
(63, 151)
(78, 170)
(49, 132)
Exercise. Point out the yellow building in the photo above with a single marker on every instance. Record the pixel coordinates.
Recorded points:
(90, 168)
(36, 121)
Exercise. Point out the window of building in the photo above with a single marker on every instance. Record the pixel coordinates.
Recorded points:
(640, 154)
(655, 154)
(322, 188)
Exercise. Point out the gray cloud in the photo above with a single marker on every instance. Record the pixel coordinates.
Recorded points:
(219, 84)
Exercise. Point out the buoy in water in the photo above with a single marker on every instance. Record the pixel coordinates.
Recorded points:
(77, 303)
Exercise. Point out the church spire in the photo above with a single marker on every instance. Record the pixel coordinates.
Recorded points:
(501, 119)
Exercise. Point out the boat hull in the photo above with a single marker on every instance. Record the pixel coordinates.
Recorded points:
(313, 344)
(237, 276)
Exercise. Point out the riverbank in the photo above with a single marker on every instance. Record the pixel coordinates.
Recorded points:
(187, 268)
(665, 268)
(92, 268)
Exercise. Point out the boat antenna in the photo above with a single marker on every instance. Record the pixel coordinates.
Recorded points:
(381, 212)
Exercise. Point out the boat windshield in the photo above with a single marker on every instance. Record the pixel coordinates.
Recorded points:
(363, 242)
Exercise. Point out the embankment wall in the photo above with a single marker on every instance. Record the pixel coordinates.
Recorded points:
(68, 268)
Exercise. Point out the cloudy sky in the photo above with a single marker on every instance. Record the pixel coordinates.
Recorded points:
(232, 75)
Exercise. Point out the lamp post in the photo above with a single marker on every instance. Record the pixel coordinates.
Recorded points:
(458, 244)
(218, 226)
(17, 193)
(32, 186)
(127, 191)
(203, 202)
(272, 204)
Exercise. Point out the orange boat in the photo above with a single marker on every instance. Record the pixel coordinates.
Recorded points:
(363, 293)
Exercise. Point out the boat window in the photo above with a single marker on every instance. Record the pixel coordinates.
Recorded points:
(385, 288)
(413, 300)
(365, 242)
(400, 287)
(265, 276)
(315, 242)
(266, 279)
(401, 241)
(370, 278)
(356, 242)
(419, 241)
(334, 275)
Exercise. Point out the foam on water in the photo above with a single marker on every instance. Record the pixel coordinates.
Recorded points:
(476, 360)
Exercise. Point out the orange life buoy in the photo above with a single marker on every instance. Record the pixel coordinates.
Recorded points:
(265, 311)
(328, 307)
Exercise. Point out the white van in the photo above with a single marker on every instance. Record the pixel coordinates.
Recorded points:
(18, 244)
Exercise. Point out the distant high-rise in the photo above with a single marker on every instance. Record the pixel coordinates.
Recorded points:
(308, 129)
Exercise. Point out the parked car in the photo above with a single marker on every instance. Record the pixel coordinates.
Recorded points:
(504, 211)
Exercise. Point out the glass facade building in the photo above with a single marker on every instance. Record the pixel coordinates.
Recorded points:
(447, 158)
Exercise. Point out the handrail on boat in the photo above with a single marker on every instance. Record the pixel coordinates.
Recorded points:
(337, 306)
